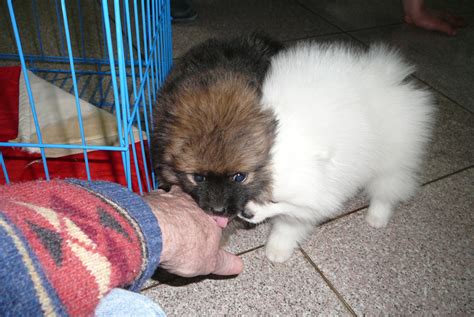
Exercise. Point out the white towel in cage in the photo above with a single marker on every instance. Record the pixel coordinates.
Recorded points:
(58, 119)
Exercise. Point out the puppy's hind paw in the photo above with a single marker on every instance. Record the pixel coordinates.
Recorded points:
(378, 216)
(278, 253)
(376, 221)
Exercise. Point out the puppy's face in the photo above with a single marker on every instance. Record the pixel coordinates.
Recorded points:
(222, 194)
(217, 148)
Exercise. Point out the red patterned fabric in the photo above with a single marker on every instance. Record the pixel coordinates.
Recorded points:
(73, 231)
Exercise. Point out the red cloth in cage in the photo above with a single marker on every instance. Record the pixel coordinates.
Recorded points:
(104, 165)
(24, 166)
(9, 90)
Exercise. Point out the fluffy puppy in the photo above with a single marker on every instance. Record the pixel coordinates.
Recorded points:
(211, 136)
(347, 119)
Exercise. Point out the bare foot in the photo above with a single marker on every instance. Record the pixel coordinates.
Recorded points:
(434, 20)
(440, 21)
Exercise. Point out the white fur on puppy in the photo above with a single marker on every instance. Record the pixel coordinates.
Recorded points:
(348, 120)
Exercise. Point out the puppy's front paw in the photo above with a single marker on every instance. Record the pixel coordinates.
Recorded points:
(253, 213)
(279, 249)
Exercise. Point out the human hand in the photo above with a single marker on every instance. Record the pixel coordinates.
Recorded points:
(191, 238)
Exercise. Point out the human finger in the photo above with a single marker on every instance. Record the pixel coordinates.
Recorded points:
(228, 264)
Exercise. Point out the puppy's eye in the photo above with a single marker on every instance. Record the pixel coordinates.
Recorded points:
(199, 178)
(239, 177)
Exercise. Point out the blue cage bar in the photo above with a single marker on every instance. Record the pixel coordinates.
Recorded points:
(128, 59)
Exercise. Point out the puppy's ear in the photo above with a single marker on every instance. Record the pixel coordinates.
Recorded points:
(166, 177)
(165, 187)
(163, 184)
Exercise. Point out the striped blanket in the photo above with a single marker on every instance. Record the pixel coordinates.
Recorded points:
(65, 244)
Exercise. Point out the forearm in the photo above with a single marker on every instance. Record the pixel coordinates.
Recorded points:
(64, 245)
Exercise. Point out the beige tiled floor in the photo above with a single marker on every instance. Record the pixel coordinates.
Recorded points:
(423, 262)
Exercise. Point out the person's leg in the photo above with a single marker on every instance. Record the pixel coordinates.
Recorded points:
(120, 302)
(417, 14)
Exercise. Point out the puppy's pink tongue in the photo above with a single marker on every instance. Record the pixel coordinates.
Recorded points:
(221, 221)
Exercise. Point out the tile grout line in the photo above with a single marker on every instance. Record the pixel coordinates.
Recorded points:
(249, 250)
(368, 28)
(309, 37)
(447, 175)
(442, 94)
(328, 283)
(339, 32)
(320, 16)
(348, 31)
(344, 215)
(150, 287)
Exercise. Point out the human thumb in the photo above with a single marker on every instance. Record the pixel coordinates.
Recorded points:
(228, 264)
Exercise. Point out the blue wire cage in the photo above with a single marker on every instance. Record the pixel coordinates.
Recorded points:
(114, 54)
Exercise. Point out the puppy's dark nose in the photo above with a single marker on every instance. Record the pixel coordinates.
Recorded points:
(246, 214)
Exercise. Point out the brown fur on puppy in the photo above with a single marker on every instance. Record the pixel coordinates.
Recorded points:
(212, 136)
(220, 129)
